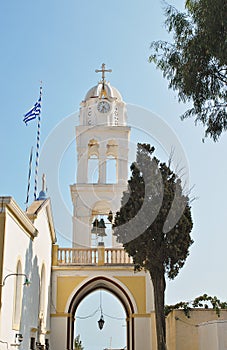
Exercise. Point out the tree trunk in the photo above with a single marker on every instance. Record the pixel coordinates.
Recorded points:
(159, 285)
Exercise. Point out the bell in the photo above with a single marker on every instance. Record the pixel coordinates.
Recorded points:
(110, 216)
(101, 224)
(101, 232)
(101, 228)
(95, 226)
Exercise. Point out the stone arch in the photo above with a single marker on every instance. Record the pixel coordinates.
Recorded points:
(112, 148)
(93, 148)
(101, 210)
(101, 207)
(116, 289)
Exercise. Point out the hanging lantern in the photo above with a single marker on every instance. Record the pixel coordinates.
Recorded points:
(101, 322)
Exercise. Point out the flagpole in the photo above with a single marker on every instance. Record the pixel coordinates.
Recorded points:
(37, 149)
(29, 178)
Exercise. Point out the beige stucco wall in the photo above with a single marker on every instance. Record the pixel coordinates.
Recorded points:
(183, 332)
(213, 335)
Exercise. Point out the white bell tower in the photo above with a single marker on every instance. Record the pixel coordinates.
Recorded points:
(102, 140)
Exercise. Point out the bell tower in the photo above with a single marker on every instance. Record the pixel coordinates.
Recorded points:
(96, 262)
(102, 141)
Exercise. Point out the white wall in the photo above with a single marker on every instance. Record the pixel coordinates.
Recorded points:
(33, 254)
(16, 247)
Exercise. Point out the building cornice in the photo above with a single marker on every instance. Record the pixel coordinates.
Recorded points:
(34, 210)
(8, 204)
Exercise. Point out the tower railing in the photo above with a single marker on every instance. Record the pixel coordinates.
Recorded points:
(91, 256)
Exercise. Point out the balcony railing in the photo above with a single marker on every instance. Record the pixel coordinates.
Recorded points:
(92, 256)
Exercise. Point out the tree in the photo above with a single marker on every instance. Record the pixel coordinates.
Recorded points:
(202, 301)
(195, 64)
(78, 343)
(154, 225)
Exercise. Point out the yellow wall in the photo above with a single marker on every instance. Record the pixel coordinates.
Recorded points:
(137, 287)
(65, 286)
(182, 332)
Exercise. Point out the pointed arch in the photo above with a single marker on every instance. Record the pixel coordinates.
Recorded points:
(114, 288)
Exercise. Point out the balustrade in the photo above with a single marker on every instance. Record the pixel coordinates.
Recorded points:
(91, 256)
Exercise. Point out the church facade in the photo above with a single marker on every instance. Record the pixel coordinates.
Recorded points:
(43, 314)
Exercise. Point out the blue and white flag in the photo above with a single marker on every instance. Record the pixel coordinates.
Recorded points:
(34, 111)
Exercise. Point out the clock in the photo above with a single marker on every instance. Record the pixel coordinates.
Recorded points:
(103, 107)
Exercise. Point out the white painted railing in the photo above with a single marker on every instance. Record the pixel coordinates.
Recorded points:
(77, 256)
(93, 256)
(117, 256)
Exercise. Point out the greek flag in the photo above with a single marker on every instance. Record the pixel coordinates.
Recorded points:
(34, 111)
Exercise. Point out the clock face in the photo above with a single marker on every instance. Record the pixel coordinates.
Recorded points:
(103, 107)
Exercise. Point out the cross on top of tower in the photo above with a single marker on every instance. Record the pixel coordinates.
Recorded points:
(103, 70)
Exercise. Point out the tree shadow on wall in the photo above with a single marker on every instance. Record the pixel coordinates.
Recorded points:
(30, 301)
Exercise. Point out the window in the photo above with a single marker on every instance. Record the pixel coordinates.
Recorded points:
(111, 162)
(93, 161)
(111, 170)
(93, 169)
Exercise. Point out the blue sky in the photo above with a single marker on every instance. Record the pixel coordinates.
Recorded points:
(62, 43)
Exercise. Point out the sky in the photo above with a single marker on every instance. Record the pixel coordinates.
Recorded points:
(61, 43)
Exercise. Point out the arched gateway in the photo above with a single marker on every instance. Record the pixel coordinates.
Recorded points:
(72, 283)
(96, 260)
(112, 286)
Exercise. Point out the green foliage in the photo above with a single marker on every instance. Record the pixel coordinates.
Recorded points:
(154, 225)
(195, 64)
(78, 343)
(154, 240)
(203, 301)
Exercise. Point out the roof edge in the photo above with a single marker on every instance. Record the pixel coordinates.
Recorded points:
(34, 210)
(7, 202)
